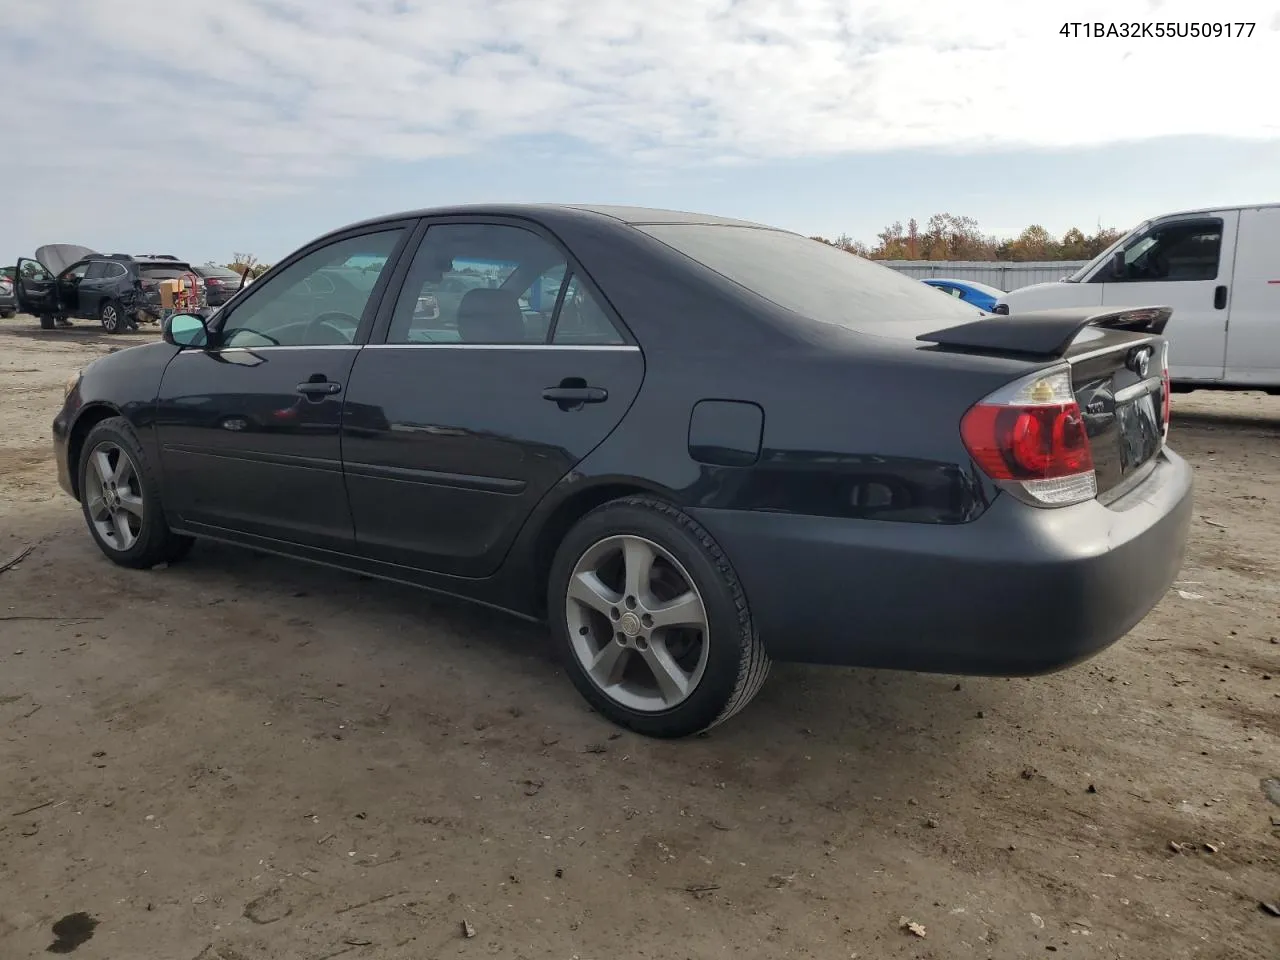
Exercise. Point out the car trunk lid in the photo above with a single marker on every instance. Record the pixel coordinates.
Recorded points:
(1117, 361)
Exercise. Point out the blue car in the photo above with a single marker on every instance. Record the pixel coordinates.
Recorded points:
(970, 291)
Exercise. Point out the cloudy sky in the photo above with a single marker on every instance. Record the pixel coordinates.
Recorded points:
(205, 127)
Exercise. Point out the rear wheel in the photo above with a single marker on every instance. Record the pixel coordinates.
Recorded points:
(112, 317)
(120, 499)
(651, 622)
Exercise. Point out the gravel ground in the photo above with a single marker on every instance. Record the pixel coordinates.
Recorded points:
(240, 758)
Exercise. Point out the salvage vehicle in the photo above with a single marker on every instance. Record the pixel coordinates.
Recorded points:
(220, 283)
(66, 281)
(981, 295)
(717, 445)
(1220, 272)
(8, 303)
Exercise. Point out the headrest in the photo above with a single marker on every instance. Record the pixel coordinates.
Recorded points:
(488, 315)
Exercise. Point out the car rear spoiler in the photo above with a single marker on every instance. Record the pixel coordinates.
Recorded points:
(1046, 333)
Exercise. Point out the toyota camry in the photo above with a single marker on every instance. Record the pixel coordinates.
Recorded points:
(692, 445)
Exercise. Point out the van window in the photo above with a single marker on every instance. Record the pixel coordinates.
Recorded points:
(1182, 250)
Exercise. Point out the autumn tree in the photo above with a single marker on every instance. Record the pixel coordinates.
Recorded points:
(243, 263)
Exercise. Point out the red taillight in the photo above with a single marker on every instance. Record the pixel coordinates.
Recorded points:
(212, 282)
(1031, 434)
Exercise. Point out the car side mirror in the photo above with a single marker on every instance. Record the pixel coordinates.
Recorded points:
(185, 330)
(1118, 264)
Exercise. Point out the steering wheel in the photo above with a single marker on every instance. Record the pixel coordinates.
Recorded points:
(334, 321)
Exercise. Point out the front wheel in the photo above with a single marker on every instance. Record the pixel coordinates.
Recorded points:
(651, 621)
(120, 499)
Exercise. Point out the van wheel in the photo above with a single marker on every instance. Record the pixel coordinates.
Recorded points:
(651, 621)
(112, 317)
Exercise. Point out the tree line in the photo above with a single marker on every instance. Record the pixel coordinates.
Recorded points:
(948, 237)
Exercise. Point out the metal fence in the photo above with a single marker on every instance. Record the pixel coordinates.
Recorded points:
(999, 273)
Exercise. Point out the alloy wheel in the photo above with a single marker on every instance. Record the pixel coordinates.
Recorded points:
(110, 319)
(637, 623)
(113, 496)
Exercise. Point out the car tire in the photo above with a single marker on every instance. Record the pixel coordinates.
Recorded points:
(613, 643)
(120, 499)
(6, 314)
(112, 317)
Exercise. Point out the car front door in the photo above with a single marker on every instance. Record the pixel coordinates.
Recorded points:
(456, 426)
(35, 288)
(69, 281)
(1184, 263)
(249, 426)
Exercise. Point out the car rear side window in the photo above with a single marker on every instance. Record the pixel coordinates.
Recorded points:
(582, 320)
(97, 270)
(811, 278)
(483, 283)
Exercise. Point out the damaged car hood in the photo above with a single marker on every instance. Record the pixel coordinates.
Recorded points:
(56, 257)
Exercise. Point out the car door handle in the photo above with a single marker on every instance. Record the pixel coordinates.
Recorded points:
(321, 389)
(1220, 298)
(573, 396)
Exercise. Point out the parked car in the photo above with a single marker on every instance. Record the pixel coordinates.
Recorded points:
(970, 291)
(1219, 271)
(220, 283)
(732, 445)
(66, 281)
(8, 302)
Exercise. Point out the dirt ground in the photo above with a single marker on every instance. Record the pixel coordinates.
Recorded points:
(240, 758)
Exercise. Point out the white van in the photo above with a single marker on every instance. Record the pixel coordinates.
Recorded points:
(1218, 269)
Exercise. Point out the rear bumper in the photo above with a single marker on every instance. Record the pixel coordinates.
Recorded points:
(1018, 592)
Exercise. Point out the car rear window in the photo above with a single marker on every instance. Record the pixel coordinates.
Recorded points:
(162, 271)
(811, 278)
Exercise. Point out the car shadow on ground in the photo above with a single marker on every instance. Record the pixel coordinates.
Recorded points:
(802, 712)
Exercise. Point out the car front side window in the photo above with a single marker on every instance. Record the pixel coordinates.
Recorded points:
(319, 300)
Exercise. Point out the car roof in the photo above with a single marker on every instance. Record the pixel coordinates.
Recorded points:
(547, 212)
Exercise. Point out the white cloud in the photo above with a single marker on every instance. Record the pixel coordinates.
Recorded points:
(263, 95)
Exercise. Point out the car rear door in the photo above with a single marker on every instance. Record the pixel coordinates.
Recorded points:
(1186, 263)
(248, 428)
(456, 426)
(1253, 331)
(92, 287)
